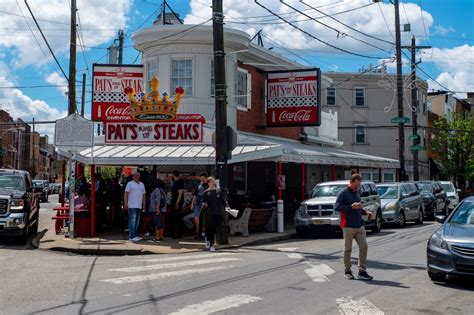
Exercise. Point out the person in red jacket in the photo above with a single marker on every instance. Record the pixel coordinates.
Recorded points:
(350, 208)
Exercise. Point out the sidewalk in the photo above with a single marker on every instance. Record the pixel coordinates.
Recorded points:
(115, 244)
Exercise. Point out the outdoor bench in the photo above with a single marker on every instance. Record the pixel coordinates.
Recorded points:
(251, 219)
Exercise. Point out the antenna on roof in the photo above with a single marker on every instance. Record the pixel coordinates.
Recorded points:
(259, 38)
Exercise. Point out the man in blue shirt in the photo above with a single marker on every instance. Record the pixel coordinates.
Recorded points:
(348, 204)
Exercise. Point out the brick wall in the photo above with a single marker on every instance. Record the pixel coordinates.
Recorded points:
(254, 119)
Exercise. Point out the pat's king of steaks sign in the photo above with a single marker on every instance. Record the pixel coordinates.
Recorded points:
(147, 119)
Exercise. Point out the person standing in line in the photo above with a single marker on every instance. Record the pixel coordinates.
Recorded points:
(215, 200)
(196, 204)
(134, 202)
(177, 201)
(348, 204)
(157, 204)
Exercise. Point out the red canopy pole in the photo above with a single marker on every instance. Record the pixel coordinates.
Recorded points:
(303, 182)
(63, 182)
(92, 200)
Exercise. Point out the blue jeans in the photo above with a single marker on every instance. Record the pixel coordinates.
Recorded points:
(133, 221)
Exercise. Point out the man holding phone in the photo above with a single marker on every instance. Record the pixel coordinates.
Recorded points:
(349, 206)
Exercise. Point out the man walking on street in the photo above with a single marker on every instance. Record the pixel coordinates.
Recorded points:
(350, 208)
(134, 202)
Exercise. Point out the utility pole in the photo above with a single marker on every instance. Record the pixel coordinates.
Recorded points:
(120, 47)
(33, 171)
(415, 104)
(72, 108)
(401, 125)
(221, 101)
(163, 12)
(83, 99)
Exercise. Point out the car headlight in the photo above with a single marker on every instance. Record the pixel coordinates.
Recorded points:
(303, 210)
(390, 206)
(438, 241)
(16, 205)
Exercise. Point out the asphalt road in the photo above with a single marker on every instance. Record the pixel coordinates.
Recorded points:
(293, 277)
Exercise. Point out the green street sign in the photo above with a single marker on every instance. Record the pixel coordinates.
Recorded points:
(416, 147)
(413, 137)
(398, 120)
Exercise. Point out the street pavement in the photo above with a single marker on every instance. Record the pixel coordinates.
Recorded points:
(300, 276)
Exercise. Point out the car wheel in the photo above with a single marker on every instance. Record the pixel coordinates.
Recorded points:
(436, 276)
(420, 217)
(378, 223)
(401, 219)
(25, 235)
(301, 233)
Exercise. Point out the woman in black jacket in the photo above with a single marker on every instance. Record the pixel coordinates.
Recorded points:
(215, 201)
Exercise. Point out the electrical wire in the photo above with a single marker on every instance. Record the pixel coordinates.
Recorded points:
(334, 29)
(385, 20)
(346, 25)
(319, 40)
(424, 25)
(43, 20)
(47, 44)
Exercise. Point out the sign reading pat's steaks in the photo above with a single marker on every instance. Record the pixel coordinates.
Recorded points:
(293, 98)
(109, 82)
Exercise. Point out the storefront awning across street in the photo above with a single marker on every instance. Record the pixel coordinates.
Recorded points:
(250, 147)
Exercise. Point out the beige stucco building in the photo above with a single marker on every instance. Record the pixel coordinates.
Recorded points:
(365, 104)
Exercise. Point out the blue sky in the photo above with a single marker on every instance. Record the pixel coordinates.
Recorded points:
(449, 25)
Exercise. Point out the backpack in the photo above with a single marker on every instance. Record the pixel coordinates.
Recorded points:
(162, 199)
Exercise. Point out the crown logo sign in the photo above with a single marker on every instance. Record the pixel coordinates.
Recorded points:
(154, 106)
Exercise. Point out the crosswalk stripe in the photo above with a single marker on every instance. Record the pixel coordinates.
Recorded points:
(175, 265)
(213, 306)
(184, 257)
(319, 273)
(162, 275)
(289, 251)
(348, 306)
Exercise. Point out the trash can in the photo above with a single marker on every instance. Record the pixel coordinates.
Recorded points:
(82, 223)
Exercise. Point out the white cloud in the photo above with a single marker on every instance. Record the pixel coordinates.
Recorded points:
(457, 66)
(441, 30)
(57, 79)
(19, 105)
(244, 15)
(99, 20)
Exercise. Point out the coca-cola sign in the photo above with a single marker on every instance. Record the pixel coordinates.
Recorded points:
(293, 98)
(109, 102)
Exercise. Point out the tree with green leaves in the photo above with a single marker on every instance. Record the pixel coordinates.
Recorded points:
(454, 145)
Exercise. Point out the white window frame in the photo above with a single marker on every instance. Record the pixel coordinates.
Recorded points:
(355, 96)
(172, 88)
(327, 96)
(148, 78)
(249, 90)
(355, 134)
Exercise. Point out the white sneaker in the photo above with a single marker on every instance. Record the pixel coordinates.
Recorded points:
(147, 234)
(208, 244)
(212, 249)
(136, 239)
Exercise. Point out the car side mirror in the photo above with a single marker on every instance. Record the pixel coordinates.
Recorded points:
(440, 218)
(458, 191)
(405, 196)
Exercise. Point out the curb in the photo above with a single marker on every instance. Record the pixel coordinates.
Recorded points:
(136, 252)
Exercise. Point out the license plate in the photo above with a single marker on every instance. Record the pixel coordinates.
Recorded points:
(319, 221)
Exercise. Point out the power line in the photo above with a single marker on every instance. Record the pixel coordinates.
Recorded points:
(319, 40)
(346, 25)
(47, 44)
(385, 20)
(36, 86)
(43, 20)
(332, 28)
(424, 25)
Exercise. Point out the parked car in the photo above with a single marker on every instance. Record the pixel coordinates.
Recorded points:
(39, 188)
(19, 205)
(434, 198)
(452, 194)
(450, 249)
(46, 186)
(53, 188)
(318, 214)
(401, 202)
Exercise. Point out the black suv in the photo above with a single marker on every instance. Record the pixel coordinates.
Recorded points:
(19, 205)
(434, 198)
(42, 189)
